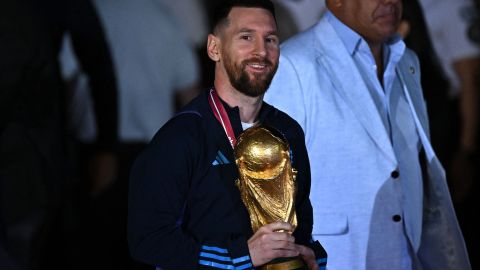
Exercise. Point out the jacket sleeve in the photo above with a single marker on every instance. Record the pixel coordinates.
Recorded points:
(303, 207)
(160, 181)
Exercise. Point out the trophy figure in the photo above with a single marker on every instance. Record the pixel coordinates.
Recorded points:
(267, 183)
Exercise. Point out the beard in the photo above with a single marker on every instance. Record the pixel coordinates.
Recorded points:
(240, 79)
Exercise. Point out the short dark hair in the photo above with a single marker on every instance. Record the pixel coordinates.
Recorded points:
(223, 8)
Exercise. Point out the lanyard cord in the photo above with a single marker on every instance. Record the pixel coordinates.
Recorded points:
(222, 116)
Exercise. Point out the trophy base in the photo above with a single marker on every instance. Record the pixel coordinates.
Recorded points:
(293, 263)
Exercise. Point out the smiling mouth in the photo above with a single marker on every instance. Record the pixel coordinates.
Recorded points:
(257, 66)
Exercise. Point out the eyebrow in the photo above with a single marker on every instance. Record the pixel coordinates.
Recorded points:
(249, 30)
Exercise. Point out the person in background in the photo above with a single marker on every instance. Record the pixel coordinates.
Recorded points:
(448, 29)
(379, 192)
(35, 174)
(185, 210)
(154, 75)
(457, 46)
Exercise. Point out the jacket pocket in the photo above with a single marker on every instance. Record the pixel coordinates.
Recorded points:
(330, 224)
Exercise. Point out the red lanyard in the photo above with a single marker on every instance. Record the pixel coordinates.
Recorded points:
(222, 116)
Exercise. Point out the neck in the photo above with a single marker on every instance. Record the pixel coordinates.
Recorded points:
(249, 106)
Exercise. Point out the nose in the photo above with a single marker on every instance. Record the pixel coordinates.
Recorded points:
(260, 48)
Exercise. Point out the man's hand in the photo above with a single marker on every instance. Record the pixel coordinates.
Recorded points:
(308, 256)
(272, 241)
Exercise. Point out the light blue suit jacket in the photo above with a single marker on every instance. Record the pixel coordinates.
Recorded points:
(352, 158)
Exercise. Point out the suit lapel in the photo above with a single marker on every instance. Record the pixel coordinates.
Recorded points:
(414, 98)
(407, 72)
(348, 82)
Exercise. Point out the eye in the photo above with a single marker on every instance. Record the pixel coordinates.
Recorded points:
(246, 37)
(271, 40)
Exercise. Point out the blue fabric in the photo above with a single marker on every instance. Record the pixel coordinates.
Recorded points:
(216, 265)
(245, 266)
(241, 259)
(398, 121)
(216, 257)
(224, 261)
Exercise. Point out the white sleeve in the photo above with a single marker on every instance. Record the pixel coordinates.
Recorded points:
(448, 22)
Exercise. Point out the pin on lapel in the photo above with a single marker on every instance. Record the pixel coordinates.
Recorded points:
(412, 70)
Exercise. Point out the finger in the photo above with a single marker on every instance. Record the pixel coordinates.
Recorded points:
(285, 245)
(281, 236)
(266, 234)
(305, 251)
(308, 257)
(283, 253)
(313, 266)
(279, 226)
(263, 251)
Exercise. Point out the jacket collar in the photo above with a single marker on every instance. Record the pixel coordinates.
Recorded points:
(334, 56)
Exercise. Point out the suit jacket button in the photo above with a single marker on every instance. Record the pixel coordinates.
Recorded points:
(396, 218)
(395, 174)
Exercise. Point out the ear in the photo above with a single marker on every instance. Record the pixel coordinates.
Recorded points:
(213, 47)
(404, 28)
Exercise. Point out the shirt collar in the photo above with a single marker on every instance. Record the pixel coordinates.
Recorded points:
(395, 48)
(350, 39)
(262, 114)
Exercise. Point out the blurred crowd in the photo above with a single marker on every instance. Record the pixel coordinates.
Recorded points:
(84, 86)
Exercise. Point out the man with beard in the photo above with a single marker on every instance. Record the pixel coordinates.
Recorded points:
(378, 190)
(185, 210)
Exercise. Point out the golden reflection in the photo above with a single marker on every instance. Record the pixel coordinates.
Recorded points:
(267, 179)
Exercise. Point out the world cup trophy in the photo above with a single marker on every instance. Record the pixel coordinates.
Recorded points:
(267, 183)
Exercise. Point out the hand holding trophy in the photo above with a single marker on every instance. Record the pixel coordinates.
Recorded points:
(267, 184)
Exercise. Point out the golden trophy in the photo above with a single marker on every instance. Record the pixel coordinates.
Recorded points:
(267, 183)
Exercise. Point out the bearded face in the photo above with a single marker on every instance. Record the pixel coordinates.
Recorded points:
(252, 84)
(246, 49)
